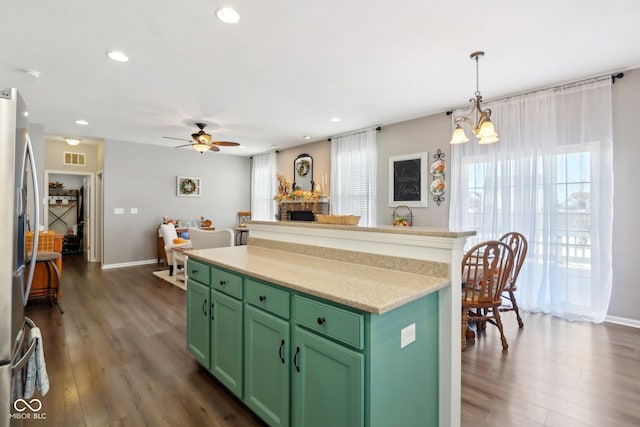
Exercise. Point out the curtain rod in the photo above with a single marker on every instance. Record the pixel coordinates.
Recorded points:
(264, 154)
(378, 128)
(613, 78)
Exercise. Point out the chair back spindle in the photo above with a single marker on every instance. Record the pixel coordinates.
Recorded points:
(518, 244)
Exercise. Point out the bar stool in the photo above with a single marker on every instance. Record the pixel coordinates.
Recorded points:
(49, 258)
(242, 232)
(241, 236)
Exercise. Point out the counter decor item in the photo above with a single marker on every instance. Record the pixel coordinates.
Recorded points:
(300, 195)
(438, 170)
(402, 216)
(338, 219)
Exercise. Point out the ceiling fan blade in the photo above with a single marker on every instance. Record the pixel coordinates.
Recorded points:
(225, 143)
(177, 139)
(214, 148)
(185, 145)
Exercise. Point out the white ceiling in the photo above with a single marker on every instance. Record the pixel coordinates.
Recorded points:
(289, 66)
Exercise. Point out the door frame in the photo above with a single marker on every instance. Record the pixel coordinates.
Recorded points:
(91, 176)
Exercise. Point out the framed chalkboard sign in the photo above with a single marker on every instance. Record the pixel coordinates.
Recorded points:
(408, 180)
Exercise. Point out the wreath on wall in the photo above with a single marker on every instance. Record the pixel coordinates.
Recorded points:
(303, 167)
(188, 186)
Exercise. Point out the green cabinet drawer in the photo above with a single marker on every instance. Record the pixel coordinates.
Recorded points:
(199, 271)
(267, 297)
(340, 324)
(227, 283)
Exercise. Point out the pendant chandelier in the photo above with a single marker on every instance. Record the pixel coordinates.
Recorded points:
(483, 128)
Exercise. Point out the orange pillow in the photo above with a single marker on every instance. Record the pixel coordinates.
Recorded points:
(179, 240)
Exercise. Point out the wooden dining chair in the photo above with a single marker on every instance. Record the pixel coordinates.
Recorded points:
(518, 244)
(486, 268)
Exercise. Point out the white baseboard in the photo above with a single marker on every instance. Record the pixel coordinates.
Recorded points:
(129, 264)
(623, 321)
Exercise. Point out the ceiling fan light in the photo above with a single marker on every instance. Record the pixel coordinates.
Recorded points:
(201, 148)
(201, 138)
(459, 136)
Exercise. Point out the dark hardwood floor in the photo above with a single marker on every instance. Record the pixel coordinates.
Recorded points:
(118, 357)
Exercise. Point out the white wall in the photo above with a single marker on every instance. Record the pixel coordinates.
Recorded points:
(143, 176)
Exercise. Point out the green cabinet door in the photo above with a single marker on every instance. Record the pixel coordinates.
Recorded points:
(327, 383)
(266, 366)
(226, 341)
(198, 323)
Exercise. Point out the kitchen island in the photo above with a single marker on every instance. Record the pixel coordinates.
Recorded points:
(332, 325)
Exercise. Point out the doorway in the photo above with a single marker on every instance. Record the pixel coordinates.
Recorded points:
(69, 208)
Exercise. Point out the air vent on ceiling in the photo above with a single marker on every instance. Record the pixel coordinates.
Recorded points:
(76, 159)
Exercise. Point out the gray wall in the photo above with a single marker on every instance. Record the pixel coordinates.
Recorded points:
(144, 177)
(320, 151)
(414, 136)
(56, 148)
(625, 298)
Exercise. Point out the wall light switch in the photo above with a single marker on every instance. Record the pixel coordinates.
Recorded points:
(407, 335)
(133, 211)
(118, 211)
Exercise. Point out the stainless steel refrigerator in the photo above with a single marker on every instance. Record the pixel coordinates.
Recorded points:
(18, 197)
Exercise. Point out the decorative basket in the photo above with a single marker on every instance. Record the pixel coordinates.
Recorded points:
(402, 216)
(338, 219)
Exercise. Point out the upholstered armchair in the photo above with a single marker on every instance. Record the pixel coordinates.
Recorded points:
(170, 237)
(204, 239)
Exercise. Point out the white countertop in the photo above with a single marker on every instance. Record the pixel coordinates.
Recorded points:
(371, 289)
(390, 229)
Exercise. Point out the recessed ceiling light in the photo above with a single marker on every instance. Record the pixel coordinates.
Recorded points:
(32, 74)
(117, 56)
(335, 119)
(228, 15)
(82, 122)
(72, 141)
(306, 137)
(26, 114)
(242, 147)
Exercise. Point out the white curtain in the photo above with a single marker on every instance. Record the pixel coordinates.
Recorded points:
(549, 177)
(264, 184)
(353, 175)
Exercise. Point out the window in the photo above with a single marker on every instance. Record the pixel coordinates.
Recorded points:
(562, 213)
(263, 187)
(353, 175)
(550, 178)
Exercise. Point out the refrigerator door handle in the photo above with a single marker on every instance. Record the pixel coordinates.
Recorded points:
(28, 154)
(32, 346)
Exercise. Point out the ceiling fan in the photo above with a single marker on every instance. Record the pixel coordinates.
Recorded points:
(202, 141)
